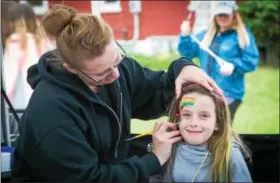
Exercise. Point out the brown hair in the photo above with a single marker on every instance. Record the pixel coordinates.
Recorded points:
(221, 141)
(5, 19)
(23, 20)
(78, 36)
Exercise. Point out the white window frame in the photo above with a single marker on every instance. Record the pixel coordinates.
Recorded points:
(39, 10)
(103, 7)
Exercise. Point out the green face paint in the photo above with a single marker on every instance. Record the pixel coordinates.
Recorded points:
(187, 102)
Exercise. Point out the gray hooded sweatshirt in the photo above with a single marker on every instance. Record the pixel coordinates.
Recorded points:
(189, 158)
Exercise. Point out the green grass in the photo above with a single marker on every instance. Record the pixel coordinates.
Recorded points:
(259, 113)
(158, 62)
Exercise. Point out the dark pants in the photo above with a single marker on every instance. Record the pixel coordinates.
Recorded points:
(233, 108)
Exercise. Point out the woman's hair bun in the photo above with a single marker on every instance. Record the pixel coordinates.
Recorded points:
(56, 19)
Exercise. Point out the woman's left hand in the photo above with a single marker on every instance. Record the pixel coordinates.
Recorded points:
(196, 75)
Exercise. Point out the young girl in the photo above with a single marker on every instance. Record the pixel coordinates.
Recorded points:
(209, 151)
(23, 49)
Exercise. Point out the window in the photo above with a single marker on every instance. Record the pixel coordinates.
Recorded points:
(107, 6)
(39, 6)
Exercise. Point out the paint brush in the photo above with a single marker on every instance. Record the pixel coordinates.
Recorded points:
(142, 135)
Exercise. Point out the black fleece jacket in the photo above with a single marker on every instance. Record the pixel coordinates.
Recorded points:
(69, 133)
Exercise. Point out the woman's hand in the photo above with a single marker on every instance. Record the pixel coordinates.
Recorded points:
(164, 135)
(196, 75)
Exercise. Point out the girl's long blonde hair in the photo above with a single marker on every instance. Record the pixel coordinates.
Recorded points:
(219, 144)
(238, 25)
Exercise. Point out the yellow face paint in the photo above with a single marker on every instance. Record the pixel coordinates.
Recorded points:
(187, 101)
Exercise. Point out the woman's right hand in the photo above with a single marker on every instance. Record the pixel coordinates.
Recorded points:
(185, 28)
(164, 135)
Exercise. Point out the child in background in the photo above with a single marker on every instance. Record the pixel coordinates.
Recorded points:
(23, 49)
(5, 28)
(229, 38)
(210, 151)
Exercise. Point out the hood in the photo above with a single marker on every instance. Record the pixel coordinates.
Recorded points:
(48, 69)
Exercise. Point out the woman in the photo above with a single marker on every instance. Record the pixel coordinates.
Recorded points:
(23, 49)
(232, 42)
(85, 94)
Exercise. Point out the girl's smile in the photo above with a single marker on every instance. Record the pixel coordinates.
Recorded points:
(194, 132)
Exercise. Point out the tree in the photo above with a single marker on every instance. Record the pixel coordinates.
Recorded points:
(263, 19)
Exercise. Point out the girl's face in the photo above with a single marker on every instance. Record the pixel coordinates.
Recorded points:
(198, 118)
(224, 21)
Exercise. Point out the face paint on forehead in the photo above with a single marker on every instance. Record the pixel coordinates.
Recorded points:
(187, 102)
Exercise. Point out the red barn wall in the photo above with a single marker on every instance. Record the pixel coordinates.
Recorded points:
(81, 6)
(156, 17)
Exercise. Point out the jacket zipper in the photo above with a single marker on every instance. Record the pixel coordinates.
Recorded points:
(119, 124)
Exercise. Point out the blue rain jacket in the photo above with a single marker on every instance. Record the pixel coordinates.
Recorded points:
(225, 45)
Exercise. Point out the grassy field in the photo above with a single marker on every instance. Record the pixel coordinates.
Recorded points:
(259, 113)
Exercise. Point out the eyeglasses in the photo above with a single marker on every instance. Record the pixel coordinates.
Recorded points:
(111, 69)
(222, 15)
